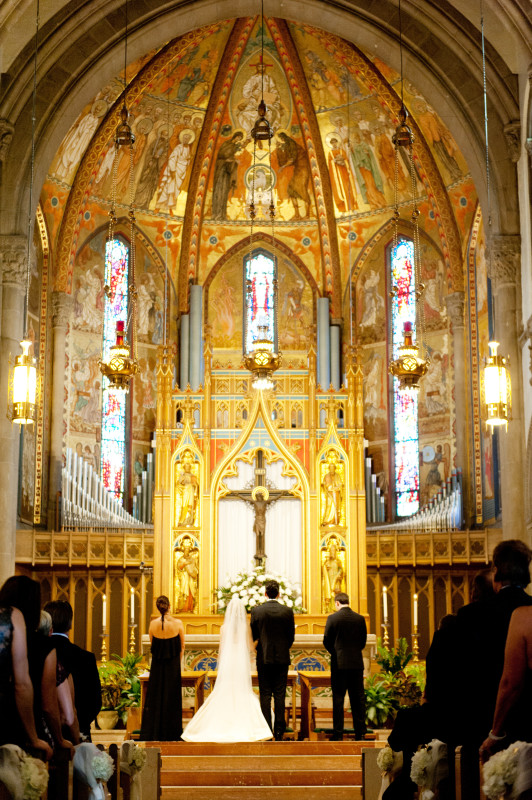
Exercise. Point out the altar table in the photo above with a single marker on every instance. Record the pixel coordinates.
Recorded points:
(309, 680)
(194, 679)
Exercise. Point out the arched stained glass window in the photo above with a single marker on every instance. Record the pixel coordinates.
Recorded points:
(260, 283)
(405, 407)
(113, 453)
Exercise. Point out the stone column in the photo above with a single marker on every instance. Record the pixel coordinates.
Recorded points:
(455, 303)
(13, 252)
(505, 272)
(61, 310)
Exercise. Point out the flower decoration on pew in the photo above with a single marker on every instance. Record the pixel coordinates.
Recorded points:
(250, 587)
(34, 776)
(102, 767)
(501, 771)
(385, 760)
(93, 768)
(137, 758)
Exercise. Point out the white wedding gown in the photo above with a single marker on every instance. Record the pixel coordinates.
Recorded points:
(232, 712)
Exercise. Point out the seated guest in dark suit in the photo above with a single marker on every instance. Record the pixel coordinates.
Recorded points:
(345, 638)
(79, 663)
(273, 630)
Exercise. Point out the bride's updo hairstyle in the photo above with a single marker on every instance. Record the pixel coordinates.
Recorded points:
(163, 605)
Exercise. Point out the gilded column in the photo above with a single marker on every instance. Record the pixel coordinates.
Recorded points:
(61, 310)
(207, 415)
(162, 517)
(455, 303)
(505, 273)
(13, 254)
(312, 408)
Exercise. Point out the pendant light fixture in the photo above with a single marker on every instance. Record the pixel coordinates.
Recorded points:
(410, 363)
(120, 362)
(22, 382)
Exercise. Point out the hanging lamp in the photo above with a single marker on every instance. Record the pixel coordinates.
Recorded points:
(410, 363)
(119, 364)
(261, 360)
(22, 380)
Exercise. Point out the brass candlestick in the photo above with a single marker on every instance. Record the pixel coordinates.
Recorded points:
(385, 636)
(104, 636)
(132, 645)
(415, 645)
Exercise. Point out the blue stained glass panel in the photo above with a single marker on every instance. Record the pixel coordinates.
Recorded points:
(113, 458)
(260, 272)
(406, 438)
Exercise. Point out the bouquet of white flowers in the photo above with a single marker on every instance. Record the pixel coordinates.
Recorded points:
(385, 760)
(500, 772)
(93, 768)
(421, 763)
(250, 587)
(132, 761)
(35, 777)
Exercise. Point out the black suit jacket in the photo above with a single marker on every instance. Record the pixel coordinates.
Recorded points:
(272, 626)
(345, 637)
(88, 691)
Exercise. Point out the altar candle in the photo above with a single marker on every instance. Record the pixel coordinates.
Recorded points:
(132, 606)
(415, 610)
(104, 612)
(385, 602)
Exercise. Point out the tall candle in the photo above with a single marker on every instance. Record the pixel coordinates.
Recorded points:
(385, 602)
(132, 606)
(104, 612)
(415, 610)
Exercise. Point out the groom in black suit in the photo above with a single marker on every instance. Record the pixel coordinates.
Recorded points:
(273, 630)
(345, 638)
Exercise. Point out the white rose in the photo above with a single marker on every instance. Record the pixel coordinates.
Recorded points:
(289, 603)
(299, 600)
(252, 601)
(220, 594)
(245, 599)
(234, 589)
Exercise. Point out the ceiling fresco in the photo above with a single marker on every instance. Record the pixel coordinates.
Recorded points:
(329, 170)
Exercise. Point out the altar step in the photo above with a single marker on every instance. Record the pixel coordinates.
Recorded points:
(262, 770)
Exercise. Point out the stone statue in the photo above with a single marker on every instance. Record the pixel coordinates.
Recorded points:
(186, 575)
(333, 575)
(332, 493)
(188, 488)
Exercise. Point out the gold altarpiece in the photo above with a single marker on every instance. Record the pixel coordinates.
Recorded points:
(319, 438)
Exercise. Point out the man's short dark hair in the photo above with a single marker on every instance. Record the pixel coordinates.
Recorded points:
(341, 598)
(61, 613)
(272, 589)
(511, 560)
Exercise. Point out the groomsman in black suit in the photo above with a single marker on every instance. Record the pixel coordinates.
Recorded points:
(80, 663)
(273, 631)
(345, 638)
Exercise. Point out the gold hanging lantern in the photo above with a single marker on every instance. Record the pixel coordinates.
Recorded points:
(408, 367)
(497, 389)
(262, 361)
(119, 367)
(23, 387)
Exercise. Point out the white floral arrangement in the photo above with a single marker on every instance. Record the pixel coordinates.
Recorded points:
(251, 586)
(385, 760)
(102, 767)
(421, 763)
(34, 777)
(137, 758)
(500, 772)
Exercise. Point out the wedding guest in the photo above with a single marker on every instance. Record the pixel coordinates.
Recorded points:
(345, 638)
(273, 629)
(511, 721)
(162, 719)
(51, 703)
(79, 663)
(20, 599)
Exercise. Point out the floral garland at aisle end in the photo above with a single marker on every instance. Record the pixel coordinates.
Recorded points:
(251, 586)
(500, 772)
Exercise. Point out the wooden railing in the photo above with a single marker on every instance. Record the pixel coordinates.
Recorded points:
(88, 548)
(413, 548)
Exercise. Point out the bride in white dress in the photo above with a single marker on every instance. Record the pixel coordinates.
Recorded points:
(232, 711)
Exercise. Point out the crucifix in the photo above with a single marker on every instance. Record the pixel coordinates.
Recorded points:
(260, 496)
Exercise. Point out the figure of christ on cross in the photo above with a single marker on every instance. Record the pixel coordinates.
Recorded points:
(260, 497)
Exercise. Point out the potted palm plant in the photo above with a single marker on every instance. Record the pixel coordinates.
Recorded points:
(114, 683)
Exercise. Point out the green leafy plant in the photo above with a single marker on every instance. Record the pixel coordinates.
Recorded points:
(418, 672)
(120, 683)
(392, 659)
(380, 707)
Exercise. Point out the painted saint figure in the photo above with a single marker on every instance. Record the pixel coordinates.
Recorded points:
(188, 488)
(291, 154)
(332, 492)
(175, 171)
(225, 174)
(186, 575)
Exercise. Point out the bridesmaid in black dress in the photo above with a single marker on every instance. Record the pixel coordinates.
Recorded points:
(162, 714)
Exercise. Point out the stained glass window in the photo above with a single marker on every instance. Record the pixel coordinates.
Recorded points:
(405, 408)
(113, 454)
(260, 277)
